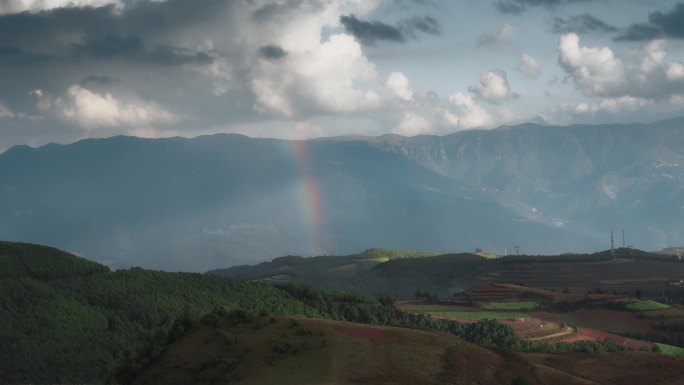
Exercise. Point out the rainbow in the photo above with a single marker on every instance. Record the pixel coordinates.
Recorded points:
(309, 196)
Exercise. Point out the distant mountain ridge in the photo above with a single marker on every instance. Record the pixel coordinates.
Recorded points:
(216, 201)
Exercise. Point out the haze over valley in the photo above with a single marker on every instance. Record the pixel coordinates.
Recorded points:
(216, 201)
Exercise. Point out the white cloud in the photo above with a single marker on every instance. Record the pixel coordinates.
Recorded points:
(568, 112)
(398, 83)
(493, 86)
(92, 110)
(413, 124)
(5, 111)
(152, 132)
(528, 66)
(654, 56)
(332, 78)
(599, 72)
(674, 71)
(17, 6)
(463, 112)
(305, 129)
(596, 71)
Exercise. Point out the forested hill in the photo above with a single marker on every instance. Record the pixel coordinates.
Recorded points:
(65, 319)
(36, 261)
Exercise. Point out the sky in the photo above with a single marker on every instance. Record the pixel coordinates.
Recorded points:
(75, 69)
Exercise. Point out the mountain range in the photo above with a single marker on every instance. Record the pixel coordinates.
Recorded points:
(222, 200)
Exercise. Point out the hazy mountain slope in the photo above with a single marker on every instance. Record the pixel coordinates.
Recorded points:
(217, 201)
(195, 204)
(585, 178)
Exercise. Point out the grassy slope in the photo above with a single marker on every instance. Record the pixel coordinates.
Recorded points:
(647, 306)
(513, 305)
(477, 315)
(307, 351)
(327, 352)
(670, 350)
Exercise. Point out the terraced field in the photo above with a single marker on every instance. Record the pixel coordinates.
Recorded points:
(477, 315)
(513, 305)
(620, 274)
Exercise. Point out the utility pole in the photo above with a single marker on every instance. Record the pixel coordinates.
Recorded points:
(612, 244)
(623, 238)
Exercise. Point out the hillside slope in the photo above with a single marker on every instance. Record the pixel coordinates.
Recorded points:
(80, 324)
(446, 274)
(35, 261)
(304, 351)
(582, 178)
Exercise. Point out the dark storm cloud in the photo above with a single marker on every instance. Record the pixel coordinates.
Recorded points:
(581, 24)
(14, 56)
(32, 30)
(133, 48)
(98, 80)
(47, 30)
(369, 32)
(518, 6)
(274, 9)
(639, 32)
(660, 25)
(272, 52)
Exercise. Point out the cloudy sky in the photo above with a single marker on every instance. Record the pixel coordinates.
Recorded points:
(73, 69)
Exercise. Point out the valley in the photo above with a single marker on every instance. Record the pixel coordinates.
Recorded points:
(68, 320)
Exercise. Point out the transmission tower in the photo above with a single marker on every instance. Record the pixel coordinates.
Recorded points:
(612, 244)
(623, 238)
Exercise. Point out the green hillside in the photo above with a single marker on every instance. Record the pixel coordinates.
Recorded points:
(376, 271)
(80, 327)
(384, 253)
(90, 325)
(35, 261)
(83, 327)
(402, 273)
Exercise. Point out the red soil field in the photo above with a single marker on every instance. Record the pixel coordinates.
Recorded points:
(603, 319)
(621, 274)
(493, 288)
(587, 334)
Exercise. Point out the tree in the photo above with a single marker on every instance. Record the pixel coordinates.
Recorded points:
(386, 299)
(520, 380)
